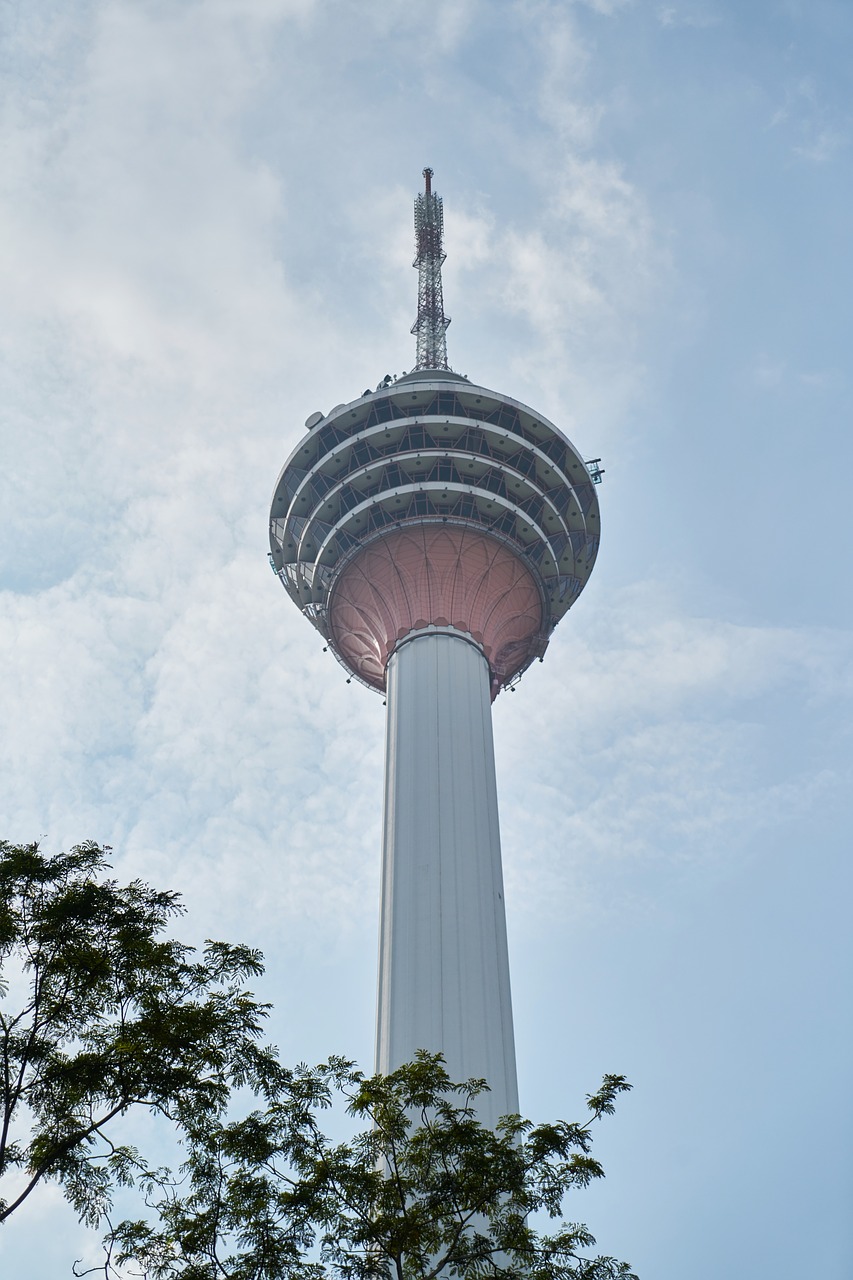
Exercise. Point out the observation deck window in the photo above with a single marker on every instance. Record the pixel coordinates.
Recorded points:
(568, 586)
(292, 480)
(321, 484)
(331, 435)
(381, 411)
(555, 450)
(504, 416)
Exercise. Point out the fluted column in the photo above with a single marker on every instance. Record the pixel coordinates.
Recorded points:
(443, 963)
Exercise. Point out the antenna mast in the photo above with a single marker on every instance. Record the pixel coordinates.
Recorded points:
(430, 328)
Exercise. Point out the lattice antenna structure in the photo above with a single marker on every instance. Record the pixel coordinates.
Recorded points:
(430, 328)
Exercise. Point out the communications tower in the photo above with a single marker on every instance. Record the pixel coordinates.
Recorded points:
(435, 532)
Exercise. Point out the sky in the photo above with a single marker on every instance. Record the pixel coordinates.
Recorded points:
(205, 236)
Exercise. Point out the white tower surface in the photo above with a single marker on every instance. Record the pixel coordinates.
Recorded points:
(443, 960)
(435, 532)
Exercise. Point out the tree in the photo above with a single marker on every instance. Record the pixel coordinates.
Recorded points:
(424, 1191)
(109, 1014)
(102, 1012)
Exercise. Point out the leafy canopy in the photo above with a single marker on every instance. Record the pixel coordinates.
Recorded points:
(101, 1012)
(422, 1191)
(107, 1014)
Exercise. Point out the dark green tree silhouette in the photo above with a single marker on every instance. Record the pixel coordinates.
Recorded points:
(423, 1191)
(100, 1012)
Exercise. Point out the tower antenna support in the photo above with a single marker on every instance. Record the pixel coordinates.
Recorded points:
(430, 328)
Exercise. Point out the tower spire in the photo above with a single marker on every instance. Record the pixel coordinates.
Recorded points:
(430, 328)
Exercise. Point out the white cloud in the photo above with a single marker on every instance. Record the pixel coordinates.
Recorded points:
(823, 379)
(688, 15)
(583, 278)
(605, 7)
(439, 26)
(563, 105)
(818, 131)
(772, 374)
(645, 738)
(132, 234)
(822, 146)
(768, 372)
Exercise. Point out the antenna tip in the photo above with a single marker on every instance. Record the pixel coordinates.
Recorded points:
(428, 180)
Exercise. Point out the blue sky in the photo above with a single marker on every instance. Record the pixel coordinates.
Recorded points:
(205, 235)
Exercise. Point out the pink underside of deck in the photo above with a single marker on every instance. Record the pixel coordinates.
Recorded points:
(434, 575)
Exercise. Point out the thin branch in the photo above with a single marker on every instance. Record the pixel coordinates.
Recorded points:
(60, 1149)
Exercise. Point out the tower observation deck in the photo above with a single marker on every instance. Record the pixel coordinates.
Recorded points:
(435, 532)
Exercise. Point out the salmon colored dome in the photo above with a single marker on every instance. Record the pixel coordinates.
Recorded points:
(439, 575)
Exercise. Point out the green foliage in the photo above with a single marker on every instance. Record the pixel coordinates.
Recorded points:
(422, 1191)
(112, 1015)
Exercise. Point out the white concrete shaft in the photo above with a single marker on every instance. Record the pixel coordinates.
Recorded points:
(443, 961)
